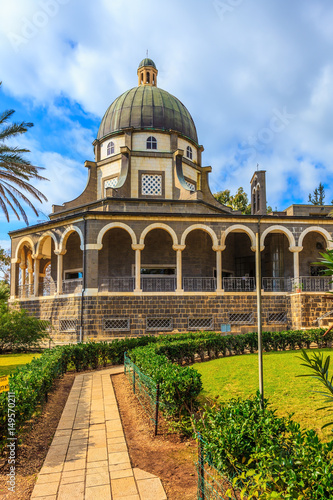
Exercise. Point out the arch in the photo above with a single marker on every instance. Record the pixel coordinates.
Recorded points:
(65, 236)
(316, 229)
(25, 239)
(278, 229)
(157, 225)
(203, 227)
(239, 228)
(42, 239)
(189, 153)
(115, 225)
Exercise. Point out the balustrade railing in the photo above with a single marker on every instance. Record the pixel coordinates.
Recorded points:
(311, 284)
(241, 284)
(25, 291)
(47, 288)
(276, 284)
(72, 286)
(158, 283)
(123, 284)
(198, 284)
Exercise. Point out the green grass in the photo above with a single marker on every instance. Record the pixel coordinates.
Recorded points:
(237, 376)
(8, 362)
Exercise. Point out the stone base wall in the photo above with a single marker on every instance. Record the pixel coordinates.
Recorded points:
(306, 308)
(65, 314)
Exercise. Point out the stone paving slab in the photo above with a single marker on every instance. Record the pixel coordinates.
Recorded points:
(88, 458)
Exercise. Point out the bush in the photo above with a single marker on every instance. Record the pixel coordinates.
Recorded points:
(271, 457)
(19, 331)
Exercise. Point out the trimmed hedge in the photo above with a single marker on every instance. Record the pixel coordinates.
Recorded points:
(265, 455)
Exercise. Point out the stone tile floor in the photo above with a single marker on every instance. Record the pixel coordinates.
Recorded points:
(88, 458)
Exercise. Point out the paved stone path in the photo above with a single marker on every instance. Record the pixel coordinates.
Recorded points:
(88, 458)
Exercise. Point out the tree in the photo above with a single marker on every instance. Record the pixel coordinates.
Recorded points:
(4, 265)
(318, 196)
(15, 170)
(239, 201)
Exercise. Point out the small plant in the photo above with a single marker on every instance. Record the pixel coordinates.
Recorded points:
(298, 287)
(319, 367)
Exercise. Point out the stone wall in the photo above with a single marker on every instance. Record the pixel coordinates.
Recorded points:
(140, 309)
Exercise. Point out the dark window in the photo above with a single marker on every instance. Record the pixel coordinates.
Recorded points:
(189, 152)
(151, 143)
(258, 200)
(168, 271)
(317, 270)
(73, 275)
(110, 149)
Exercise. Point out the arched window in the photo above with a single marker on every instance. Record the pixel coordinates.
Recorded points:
(110, 149)
(254, 201)
(258, 199)
(148, 77)
(151, 143)
(189, 153)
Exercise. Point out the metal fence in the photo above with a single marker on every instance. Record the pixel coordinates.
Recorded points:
(242, 284)
(123, 284)
(311, 284)
(198, 284)
(145, 389)
(72, 286)
(212, 485)
(25, 291)
(47, 288)
(276, 284)
(158, 283)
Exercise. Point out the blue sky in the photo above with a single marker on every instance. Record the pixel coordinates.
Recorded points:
(256, 76)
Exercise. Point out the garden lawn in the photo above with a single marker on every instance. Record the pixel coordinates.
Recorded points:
(237, 376)
(8, 362)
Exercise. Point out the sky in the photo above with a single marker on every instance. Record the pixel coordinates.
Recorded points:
(256, 76)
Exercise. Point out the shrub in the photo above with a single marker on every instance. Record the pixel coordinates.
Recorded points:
(271, 457)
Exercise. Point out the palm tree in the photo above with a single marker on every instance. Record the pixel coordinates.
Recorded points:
(16, 171)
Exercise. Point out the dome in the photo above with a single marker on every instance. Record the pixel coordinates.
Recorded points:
(146, 62)
(147, 107)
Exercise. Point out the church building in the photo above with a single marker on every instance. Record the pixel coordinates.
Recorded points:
(146, 248)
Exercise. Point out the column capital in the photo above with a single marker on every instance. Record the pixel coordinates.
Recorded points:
(92, 246)
(15, 261)
(178, 247)
(36, 256)
(218, 248)
(60, 252)
(295, 249)
(254, 249)
(137, 246)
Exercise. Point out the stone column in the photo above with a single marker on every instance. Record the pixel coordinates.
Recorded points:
(36, 275)
(137, 248)
(92, 272)
(14, 278)
(219, 249)
(23, 267)
(60, 261)
(296, 250)
(179, 270)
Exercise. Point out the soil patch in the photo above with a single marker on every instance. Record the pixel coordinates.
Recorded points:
(35, 443)
(168, 456)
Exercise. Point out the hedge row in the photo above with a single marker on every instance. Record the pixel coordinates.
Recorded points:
(179, 386)
(213, 345)
(266, 456)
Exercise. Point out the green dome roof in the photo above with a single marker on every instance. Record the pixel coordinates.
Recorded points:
(147, 62)
(147, 107)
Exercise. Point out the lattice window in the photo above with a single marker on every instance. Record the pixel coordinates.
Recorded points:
(116, 324)
(190, 185)
(239, 318)
(159, 324)
(200, 323)
(151, 184)
(67, 325)
(277, 317)
(189, 153)
(111, 183)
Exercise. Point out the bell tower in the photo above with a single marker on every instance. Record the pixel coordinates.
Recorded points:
(258, 193)
(147, 73)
